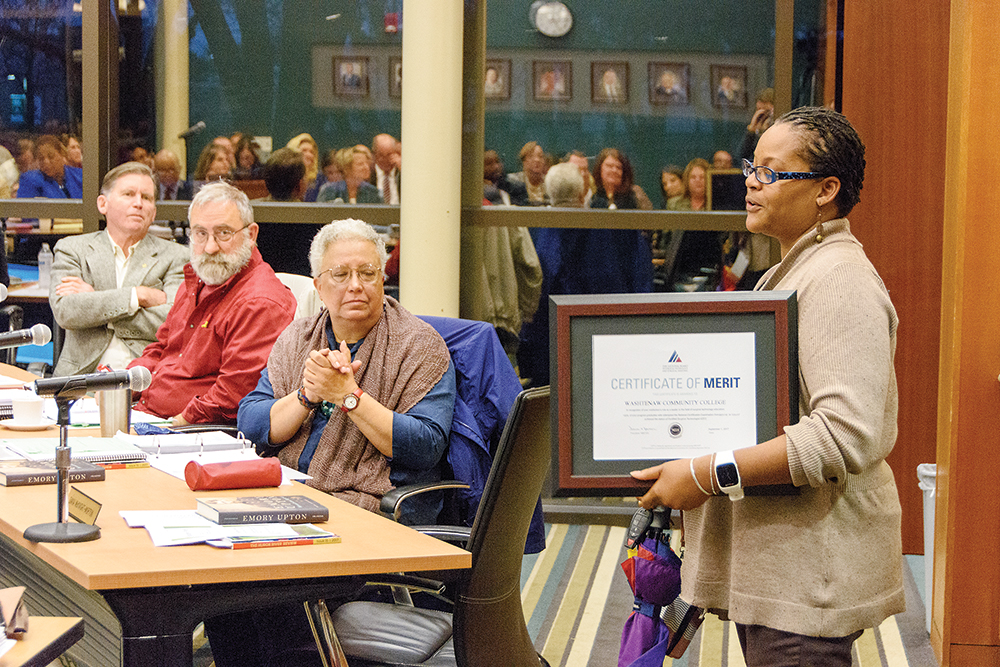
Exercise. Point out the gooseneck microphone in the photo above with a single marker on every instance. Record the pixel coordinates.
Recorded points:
(76, 386)
(193, 130)
(36, 335)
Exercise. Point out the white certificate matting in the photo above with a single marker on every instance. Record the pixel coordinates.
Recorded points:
(666, 396)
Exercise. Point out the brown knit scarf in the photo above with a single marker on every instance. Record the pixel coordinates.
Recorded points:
(402, 358)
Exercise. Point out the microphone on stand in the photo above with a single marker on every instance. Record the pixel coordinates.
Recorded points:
(193, 130)
(36, 335)
(75, 386)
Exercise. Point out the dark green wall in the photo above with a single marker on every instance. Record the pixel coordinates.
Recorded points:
(251, 70)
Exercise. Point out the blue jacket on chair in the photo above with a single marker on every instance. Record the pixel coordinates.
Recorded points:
(486, 388)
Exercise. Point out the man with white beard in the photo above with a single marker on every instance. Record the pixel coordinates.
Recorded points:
(209, 353)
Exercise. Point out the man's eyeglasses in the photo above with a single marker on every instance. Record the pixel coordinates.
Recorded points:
(367, 274)
(222, 234)
(766, 175)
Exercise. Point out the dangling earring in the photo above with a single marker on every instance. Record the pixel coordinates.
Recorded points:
(819, 227)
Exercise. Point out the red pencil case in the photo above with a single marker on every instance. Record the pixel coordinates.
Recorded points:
(233, 474)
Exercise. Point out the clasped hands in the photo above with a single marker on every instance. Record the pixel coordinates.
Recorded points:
(329, 374)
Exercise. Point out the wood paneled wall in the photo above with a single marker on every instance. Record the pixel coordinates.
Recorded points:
(895, 87)
(965, 628)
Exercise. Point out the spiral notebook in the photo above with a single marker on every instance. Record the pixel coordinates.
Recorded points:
(92, 449)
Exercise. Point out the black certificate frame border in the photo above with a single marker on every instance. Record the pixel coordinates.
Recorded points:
(772, 313)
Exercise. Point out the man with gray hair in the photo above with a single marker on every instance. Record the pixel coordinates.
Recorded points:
(227, 315)
(112, 289)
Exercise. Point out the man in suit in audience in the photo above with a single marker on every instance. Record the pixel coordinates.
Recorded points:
(112, 289)
(168, 169)
(216, 339)
(385, 176)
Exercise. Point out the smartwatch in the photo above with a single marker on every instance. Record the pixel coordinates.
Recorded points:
(351, 400)
(728, 475)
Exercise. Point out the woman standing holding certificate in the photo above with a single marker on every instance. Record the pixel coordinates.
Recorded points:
(803, 575)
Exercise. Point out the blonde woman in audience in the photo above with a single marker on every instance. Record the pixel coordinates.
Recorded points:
(355, 188)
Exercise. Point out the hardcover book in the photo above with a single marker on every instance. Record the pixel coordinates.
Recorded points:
(262, 509)
(23, 472)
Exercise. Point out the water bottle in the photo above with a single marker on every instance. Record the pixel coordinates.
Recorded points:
(44, 266)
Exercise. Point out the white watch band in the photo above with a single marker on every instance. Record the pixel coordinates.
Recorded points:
(727, 474)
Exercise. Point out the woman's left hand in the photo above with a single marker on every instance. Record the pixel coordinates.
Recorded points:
(673, 487)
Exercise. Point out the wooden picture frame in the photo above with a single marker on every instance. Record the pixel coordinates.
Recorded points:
(609, 82)
(729, 86)
(552, 80)
(496, 79)
(350, 76)
(578, 321)
(669, 83)
(395, 77)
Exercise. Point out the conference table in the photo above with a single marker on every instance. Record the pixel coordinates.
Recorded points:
(141, 603)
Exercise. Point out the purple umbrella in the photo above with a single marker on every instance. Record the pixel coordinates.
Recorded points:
(654, 574)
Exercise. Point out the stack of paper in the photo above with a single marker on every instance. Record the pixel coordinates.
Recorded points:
(178, 527)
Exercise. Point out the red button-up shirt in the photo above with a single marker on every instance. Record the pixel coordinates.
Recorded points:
(215, 341)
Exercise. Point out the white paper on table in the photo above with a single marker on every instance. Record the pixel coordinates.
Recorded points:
(174, 464)
(5, 644)
(178, 527)
(666, 396)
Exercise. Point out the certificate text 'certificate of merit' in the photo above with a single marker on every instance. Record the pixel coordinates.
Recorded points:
(668, 396)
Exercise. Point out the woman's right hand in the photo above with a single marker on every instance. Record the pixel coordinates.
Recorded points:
(674, 487)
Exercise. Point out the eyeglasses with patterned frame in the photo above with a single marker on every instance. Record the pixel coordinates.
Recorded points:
(766, 175)
(222, 235)
(367, 274)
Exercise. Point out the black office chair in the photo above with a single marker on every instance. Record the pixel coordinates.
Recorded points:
(14, 315)
(487, 625)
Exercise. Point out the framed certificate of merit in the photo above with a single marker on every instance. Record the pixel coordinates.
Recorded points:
(649, 377)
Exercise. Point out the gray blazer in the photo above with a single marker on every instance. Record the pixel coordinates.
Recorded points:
(92, 318)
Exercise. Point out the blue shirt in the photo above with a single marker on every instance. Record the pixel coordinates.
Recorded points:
(36, 184)
(419, 437)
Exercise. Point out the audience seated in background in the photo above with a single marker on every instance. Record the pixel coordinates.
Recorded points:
(534, 164)
(309, 149)
(282, 174)
(385, 176)
(248, 165)
(112, 289)
(213, 165)
(354, 163)
(691, 258)
(53, 178)
(722, 160)
(578, 261)
(74, 151)
(24, 154)
(229, 149)
(225, 318)
(671, 183)
(168, 169)
(614, 183)
(579, 158)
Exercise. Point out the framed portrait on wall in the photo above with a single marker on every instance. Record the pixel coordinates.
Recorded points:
(609, 82)
(669, 83)
(350, 76)
(552, 80)
(395, 77)
(497, 80)
(729, 86)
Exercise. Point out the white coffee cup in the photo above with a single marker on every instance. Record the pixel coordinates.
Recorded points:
(27, 410)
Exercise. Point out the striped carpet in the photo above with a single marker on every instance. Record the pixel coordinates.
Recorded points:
(576, 598)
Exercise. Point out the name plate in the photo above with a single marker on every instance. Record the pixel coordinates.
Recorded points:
(82, 507)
